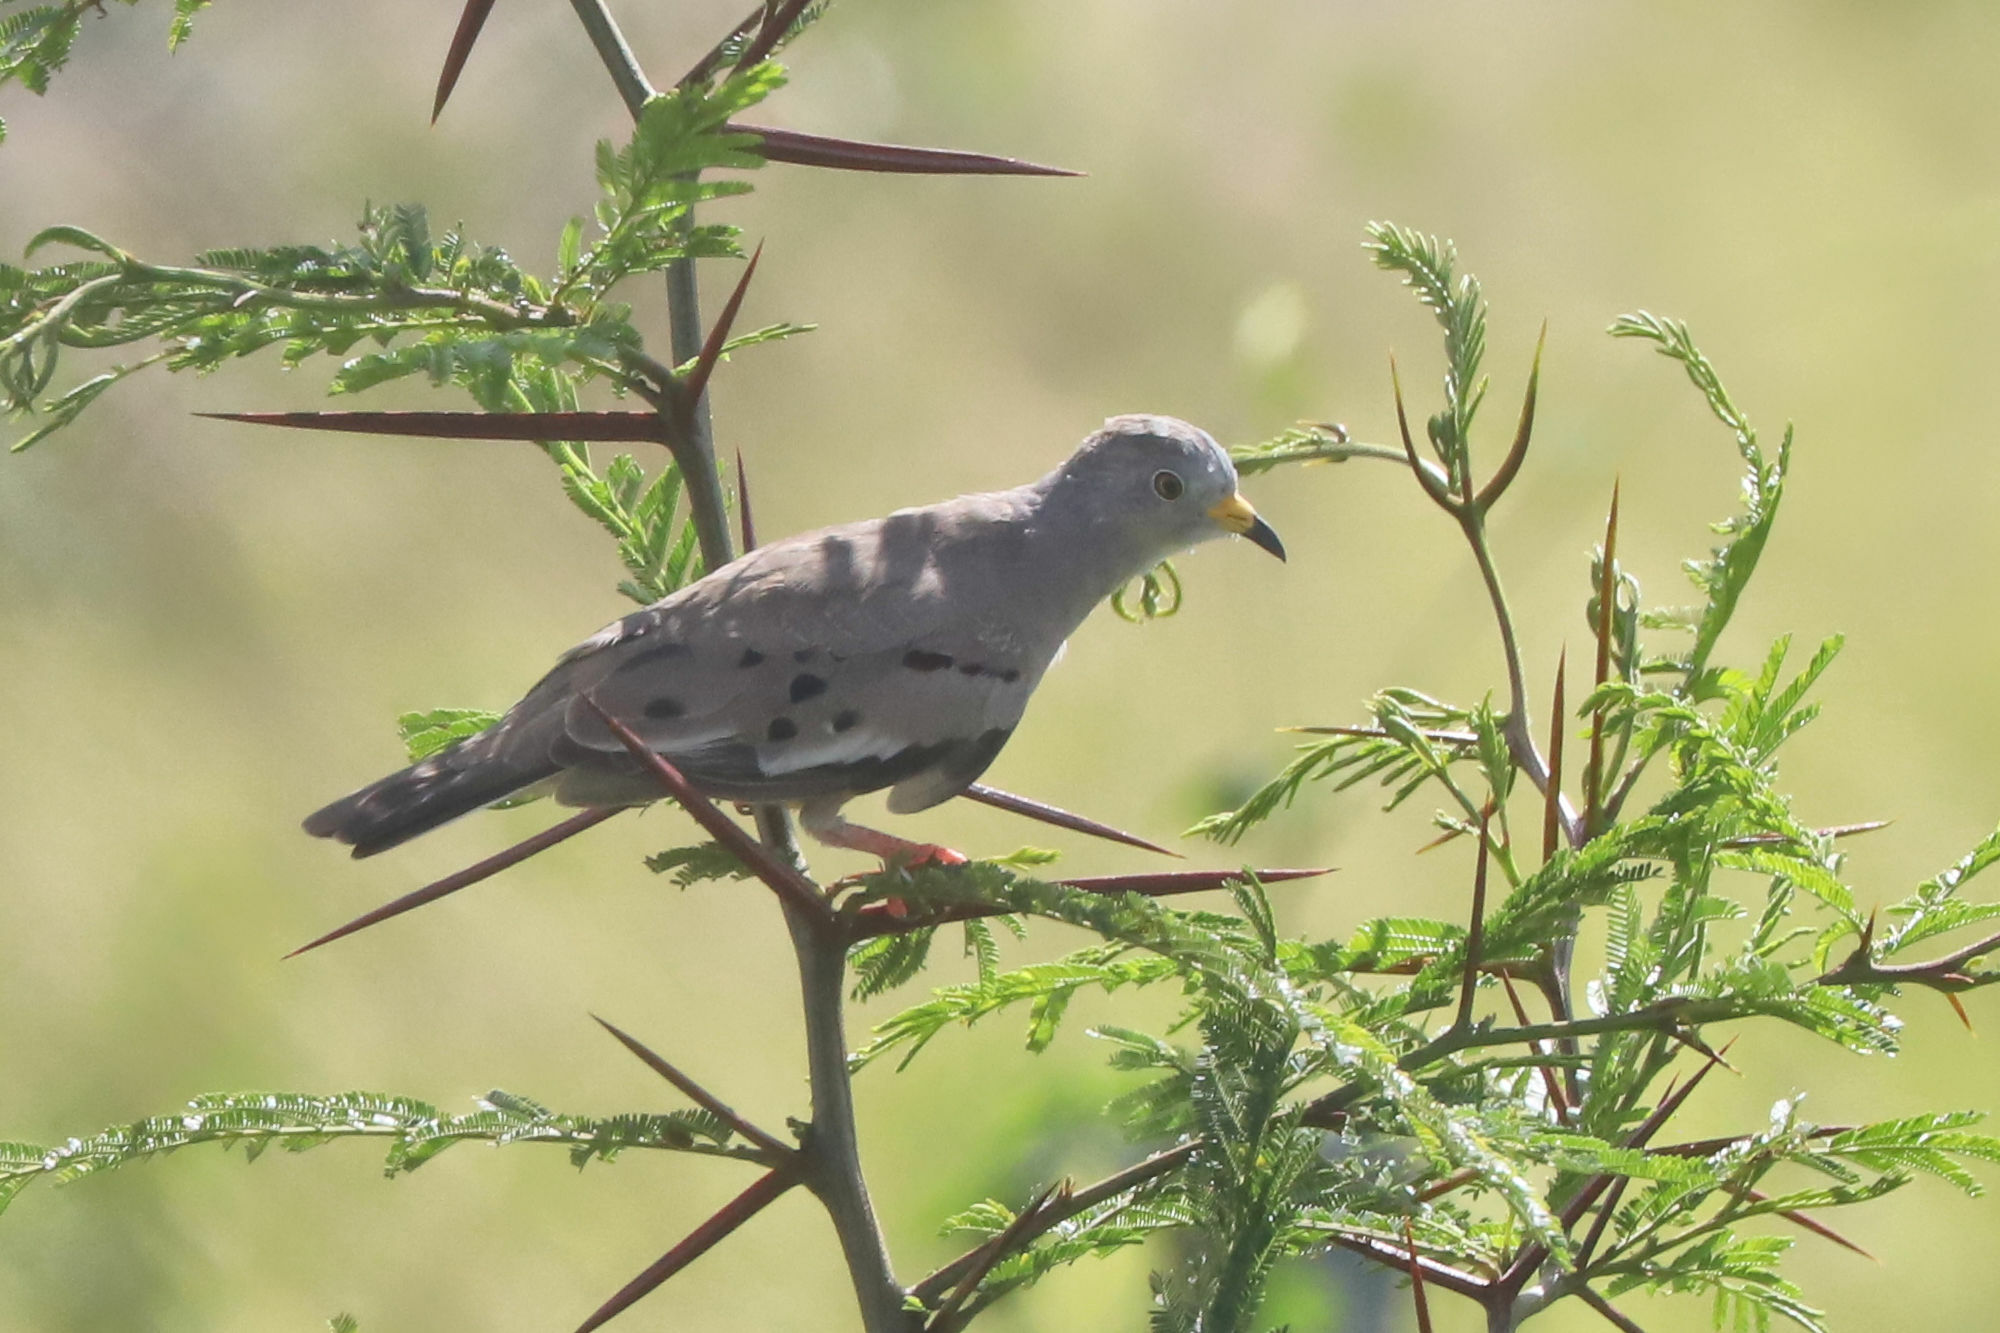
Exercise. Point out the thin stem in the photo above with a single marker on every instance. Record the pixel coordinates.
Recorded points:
(633, 87)
(706, 502)
(833, 1160)
(1520, 740)
(695, 449)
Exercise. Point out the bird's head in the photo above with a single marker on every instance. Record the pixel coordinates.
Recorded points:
(1166, 483)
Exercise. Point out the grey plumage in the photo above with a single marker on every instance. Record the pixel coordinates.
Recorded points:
(897, 652)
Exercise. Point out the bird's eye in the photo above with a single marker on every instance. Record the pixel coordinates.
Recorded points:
(1168, 485)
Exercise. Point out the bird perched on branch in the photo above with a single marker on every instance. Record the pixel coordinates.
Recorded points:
(897, 652)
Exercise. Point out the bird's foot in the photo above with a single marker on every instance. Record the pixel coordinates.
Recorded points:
(924, 854)
(896, 853)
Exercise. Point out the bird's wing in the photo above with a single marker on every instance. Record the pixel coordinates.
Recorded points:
(838, 662)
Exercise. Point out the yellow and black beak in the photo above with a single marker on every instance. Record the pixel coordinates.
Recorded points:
(1237, 516)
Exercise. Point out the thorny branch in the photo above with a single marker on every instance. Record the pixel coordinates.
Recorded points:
(832, 1161)
(1468, 508)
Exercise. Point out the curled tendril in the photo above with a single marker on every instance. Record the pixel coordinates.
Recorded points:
(1159, 595)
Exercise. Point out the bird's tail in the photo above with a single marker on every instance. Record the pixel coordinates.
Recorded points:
(456, 780)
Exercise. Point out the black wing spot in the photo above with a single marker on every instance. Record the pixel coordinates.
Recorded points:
(845, 719)
(805, 685)
(919, 660)
(782, 729)
(1010, 675)
(665, 708)
(751, 657)
(970, 669)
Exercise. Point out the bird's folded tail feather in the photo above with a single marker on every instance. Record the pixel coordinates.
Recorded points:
(455, 781)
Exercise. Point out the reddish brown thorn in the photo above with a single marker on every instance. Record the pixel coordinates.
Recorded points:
(1056, 1196)
(743, 505)
(1812, 1224)
(1607, 603)
(1600, 1222)
(1439, 1189)
(1552, 802)
(470, 21)
(703, 1238)
(931, 1287)
(700, 1096)
(1511, 465)
(1531, 1256)
(1168, 882)
(1868, 932)
(784, 880)
(471, 875)
(819, 150)
(1608, 1310)
(1551, 1085)
(1433, 487)
(1450, 835)
(712, 62)
(1417, 1281)
(536, 426)
(872, 919)
(1059, 818)
(1671, 1104)
(1958, 1007)
(1475, 934)
(779, 16)
(1709, 1147)
(1694, 1043)
(1161, 883)
(711, 350)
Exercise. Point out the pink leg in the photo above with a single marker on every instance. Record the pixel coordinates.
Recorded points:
(826, 825)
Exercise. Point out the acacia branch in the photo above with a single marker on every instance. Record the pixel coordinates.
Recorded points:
(953, 1314)
(943, 1279)
(1947, 974)
(1392, 1254)
(1664, 1016)
(1469, 512)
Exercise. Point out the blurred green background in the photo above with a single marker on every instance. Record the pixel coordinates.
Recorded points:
(205, 631)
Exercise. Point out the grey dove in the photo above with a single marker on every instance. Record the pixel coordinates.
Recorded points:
(897, 652)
